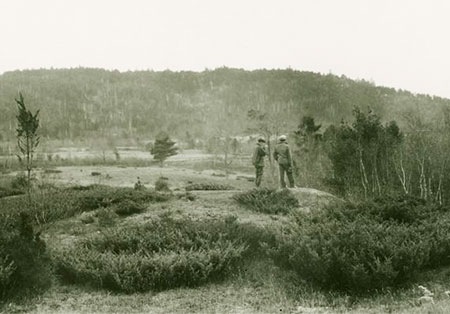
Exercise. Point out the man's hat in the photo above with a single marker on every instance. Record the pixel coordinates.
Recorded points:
(261, 139)
(282, 138)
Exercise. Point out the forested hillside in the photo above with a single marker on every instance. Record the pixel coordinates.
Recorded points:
(83, 102)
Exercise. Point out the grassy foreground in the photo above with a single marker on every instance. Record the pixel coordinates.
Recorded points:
(255, 285)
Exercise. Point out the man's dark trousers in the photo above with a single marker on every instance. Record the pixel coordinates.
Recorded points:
(288, 170)
(259, 174)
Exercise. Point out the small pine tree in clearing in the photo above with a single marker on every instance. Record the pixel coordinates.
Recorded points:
(27, 138)
(163, 148)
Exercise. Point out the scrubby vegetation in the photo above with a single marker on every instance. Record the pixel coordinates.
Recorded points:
(52, 204)
(162, 184)
(5, 191)
(159, 255)
(19, 182)
(128, 207)
(352, 248)
(24, 262)
(367, 246)
(266, 200)
(208, 187)
(102, 196)
(10, 186)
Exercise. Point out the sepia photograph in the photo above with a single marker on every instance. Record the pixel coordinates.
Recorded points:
(212, 156)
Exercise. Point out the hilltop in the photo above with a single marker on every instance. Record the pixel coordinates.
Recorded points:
(81, 102)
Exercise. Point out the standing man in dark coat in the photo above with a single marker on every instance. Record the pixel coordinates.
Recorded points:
(258, 160)
(282, 155)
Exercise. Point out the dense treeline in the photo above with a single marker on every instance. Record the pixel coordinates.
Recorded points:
(366, 158)
(80, 102)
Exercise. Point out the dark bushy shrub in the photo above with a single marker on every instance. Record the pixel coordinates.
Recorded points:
(136, 272)
(20, 182)
(106, 217)
(188, 196)
(105, 196)
(24, 262)
(269, 201)
(4, 192)
(51, 205)
(162, 184)
(47, 205)
(128, 207)
(366, 246)
(52, 171)
(159, 255)
(82, 187)
(406, 209)
(208, 187)
(93, 202)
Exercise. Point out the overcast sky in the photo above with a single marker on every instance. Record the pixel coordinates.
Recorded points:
(397, 43)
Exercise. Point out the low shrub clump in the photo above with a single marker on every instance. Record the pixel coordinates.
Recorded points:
(128, 207)
(50, 205)
(24, 262)
(188, 196)
(208, 187)
(269, 201)
(162, 184)
(20, 182)
(4, 192)
(46, 205)
(106, 196)
(10, 186)
(52, 171)
(106, 218)
(366, 246)
(159, 255)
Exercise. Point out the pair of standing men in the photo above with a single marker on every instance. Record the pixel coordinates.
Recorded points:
(281, 154)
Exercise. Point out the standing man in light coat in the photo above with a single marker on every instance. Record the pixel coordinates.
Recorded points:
(282, 155)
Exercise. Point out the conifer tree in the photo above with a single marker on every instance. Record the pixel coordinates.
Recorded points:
(163, 148)
(27, 138)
